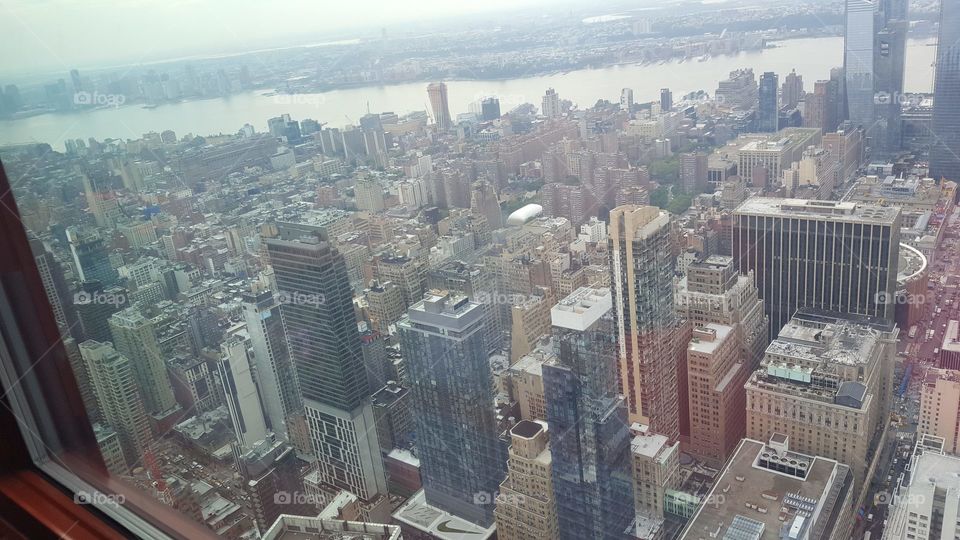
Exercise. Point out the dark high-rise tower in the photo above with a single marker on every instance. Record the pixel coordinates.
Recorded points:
(889, 62)
(767, 114)
(489, 109)
(316, 306)
(945, 152)
(461, 455)
(666, 99)
(836, 256)
(590, 440)
(858, 61)
(437, 92)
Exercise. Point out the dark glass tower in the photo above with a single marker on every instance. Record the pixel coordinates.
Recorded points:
(462, 459)
(829, 255)
(889, 62)
(316, 306)
(945, 151)
(590, 438)
(767, 114)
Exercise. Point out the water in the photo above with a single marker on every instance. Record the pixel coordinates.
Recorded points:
(812, 58)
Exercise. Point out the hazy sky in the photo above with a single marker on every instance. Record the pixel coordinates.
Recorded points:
(58, 35)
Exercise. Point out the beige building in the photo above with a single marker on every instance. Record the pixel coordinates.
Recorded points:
(385, 304)
(716, 373)
(656, 468)
(824, 383)
(940, 406)
(526, 376)
(525, 505)
(926, 503)
(530, 321)
(776, 153)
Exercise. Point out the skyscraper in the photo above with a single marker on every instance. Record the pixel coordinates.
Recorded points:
(792, 91)
(551, 104)
(243, 401)
(626, 99)
(90, 256)
(437, 92)
(462, 460)
(276, 376)
(768, 111)
(945, 152)
(135, 338)
(837, 256)
(889, 63)
(489, 109)
(641, 266)
(526, 509)
(666, 100)
(318, 318)
(858, 62)
(118, 395)
(589, 434)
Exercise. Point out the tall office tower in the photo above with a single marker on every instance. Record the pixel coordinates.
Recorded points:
(240, 391)
(716, 372)
(837, 256)
(693, 172)
(589, 435)
(118, 395)
(924, 504)
(489, 109)
(484, 201)
(940, 407)
(714, 292)
(84, 381)
(768, 111)
(641, 270)
(461, 456)
(275, 374)
(821, 106)
(90, 256)
(626, 99)
(858, 60)
(478, 283)
(945, 152)
(551, 104)
(792, 91)
(825, 383)
(889, 64)
(666, 100)
(526, 509)
(55, 286)
(135, 338)
(384, 304)
(324, 344)
(437, 92)
(269, 468)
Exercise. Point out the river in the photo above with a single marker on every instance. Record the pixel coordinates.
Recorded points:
(811, 57)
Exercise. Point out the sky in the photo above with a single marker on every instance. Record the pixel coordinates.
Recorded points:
(42, 36)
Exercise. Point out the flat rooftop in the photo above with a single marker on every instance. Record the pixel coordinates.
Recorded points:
(420, 515)
(813, 209)
(288, 527)
(748, 498)
(582, 308)
(840, 342)
(951, 338)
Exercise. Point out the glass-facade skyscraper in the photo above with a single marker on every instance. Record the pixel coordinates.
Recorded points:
(945, 151)
(590, 436)
(768, 111)
(316, 307)
(858, 50)
(462, 458)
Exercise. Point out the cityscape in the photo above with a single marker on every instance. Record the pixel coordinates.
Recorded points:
(408, 283)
